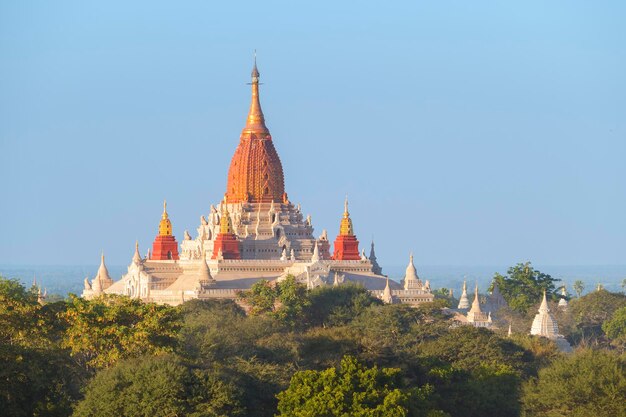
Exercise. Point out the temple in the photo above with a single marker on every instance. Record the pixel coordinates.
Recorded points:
(545, 325)
(255, 232)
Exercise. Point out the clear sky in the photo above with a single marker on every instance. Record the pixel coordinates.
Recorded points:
(468, 132)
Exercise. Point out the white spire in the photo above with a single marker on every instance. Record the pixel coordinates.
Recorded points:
(464, 301)
(387, 297)
(544, 323)
(475, 304)
(316, 254)
(510, 332)
(411, 279)
(136, 256)
(204, 273)
(543, 308)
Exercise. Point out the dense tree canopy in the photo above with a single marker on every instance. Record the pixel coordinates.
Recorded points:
(102, 331)
(591, 311)
(587, 383)
(158, 386)
(351, 390)
(119, 356)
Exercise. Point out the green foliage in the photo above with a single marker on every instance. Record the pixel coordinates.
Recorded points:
(261, 297)
(587, 383)
(293, 300)
(523, 286)
(37, 382)
(331, 306)
(20, 321)
(37, 377)
(228, 362)
(591, 311)
(615, 328)
(158, 386)
(579, 287)
(353, 390)
(109, 328)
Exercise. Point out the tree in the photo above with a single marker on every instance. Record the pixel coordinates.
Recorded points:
(353, 390)
(624, 284)
(158, 386)
(293, 300)
(330, 306)
(586, 383)
(615, 328)
(106, 329)
(579, 287)
(20, 315)
(261, 297)
(591, 311)
(36, 376)
(523, 286)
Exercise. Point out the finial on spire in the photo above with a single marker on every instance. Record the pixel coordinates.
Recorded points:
(255, 71)
(136, 256)
(164, 209)
(256, 121)
(345, 228)
(165, 226)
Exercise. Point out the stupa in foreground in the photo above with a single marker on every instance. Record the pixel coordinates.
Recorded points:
(255, 232)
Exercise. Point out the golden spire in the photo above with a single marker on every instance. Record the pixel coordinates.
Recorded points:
(165, 226)
(225, 225)
(256, 121)
(345, 228)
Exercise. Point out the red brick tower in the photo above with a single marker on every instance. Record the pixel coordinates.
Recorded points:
(226, 245)
(165, 246)
(255, 174)
(346, 245)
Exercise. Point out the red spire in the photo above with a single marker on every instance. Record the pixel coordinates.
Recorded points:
(255, 173)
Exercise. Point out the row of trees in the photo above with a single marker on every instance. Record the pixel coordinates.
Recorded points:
(327, 351)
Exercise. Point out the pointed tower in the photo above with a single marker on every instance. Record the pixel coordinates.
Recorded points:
(544, 323)
(165, 246)
(256, 173)
(136, 256)
(102, 280)
(346, 244)
(387, 296)
(464, 302)
(411, 280)
(375, 267)
(226, 245)
(475, 316)
(204, 274)
(316, 254)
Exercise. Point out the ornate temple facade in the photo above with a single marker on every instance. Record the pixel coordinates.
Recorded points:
(255, 232)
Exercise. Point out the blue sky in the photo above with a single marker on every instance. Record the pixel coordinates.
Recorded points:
(471, 133)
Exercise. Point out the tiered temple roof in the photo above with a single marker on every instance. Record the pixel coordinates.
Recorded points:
(254, 233)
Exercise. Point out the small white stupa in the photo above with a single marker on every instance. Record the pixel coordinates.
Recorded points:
(544, 323)
(464, 302)
(563, 305)
(387, 296)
